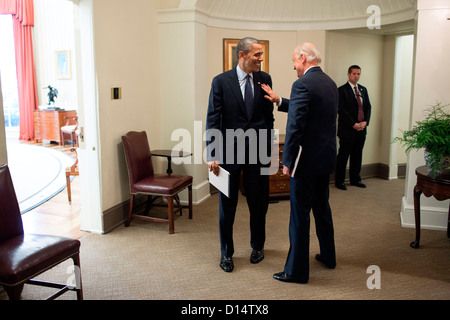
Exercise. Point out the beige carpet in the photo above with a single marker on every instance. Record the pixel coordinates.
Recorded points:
(145, 262)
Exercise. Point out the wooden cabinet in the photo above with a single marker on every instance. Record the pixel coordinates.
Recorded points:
(279, 183)
(48, 123)
(279, 186)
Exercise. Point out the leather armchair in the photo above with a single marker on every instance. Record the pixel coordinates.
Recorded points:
(25, 256)
(143, 180)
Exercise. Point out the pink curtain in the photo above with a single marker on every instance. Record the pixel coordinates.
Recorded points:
(23, 20)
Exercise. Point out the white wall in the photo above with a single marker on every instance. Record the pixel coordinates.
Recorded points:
(402, 93)
(346, 48)
(430, 84)
(184, 98)
(126, 56)
(54, 31)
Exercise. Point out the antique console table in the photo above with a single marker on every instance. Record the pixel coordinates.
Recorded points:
(48, 123)
(438, 186)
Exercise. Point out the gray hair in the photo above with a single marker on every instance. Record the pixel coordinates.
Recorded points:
(245, 45)
(309, 51)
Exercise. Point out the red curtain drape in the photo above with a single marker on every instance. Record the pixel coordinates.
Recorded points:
(22, 12)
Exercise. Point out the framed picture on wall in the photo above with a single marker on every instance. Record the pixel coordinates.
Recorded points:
(63, 65)
(230, 59)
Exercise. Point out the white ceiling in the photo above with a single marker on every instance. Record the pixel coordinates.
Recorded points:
(302, 14)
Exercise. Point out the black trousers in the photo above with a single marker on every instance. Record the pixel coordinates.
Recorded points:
(350, 147)
(257, 194)
(308, 193)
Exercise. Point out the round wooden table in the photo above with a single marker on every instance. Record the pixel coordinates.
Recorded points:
(438, 186)
(169, 154)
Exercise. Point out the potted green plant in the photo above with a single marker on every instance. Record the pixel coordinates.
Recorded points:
(432, 134)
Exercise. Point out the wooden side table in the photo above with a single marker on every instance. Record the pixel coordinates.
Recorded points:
(279, 183)
(438, 186)
(169, 154)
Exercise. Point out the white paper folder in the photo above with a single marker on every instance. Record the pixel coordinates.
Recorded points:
(221, 182)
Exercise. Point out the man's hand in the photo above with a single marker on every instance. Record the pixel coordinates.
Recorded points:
(214, 167)
(271, 96)
(360, 126)
(286, 171)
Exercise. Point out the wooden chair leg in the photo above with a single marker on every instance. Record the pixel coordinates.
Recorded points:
(190, 201)
(148, 204)
(69, 191)
(79, 286)
(14, 292)
(130, 211)
(171, 217)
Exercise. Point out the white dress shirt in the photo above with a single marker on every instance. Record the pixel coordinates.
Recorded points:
(242, 80)
(359, 90)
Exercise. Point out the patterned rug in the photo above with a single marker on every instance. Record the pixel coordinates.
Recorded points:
(38, 173)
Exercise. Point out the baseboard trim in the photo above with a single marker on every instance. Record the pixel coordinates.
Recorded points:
(431, 218)
(376, 170)
(116, 215)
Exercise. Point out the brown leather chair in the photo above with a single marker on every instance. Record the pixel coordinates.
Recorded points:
(143, 180)
(25, 256)
(71, 171)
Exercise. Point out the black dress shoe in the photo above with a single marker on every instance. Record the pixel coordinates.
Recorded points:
(318, 258)
(257, 256)
(341, 186)
(226, 263)
(281, 276)
(359, 184)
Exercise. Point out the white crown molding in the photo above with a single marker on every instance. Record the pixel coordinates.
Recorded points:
(182, 15)
(201, 16)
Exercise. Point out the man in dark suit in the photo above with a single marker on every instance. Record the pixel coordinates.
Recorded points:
(354, 117)
(309, 157)
(244, 119)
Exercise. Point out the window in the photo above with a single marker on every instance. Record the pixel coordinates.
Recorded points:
(8, 73)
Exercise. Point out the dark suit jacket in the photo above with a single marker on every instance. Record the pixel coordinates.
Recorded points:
(226, 110)
(348, 109)
(311, 123)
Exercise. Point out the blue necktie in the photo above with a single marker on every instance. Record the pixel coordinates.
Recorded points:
(248, 96)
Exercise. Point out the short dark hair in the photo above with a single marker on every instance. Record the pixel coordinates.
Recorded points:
(245, 45)
(350, 69)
